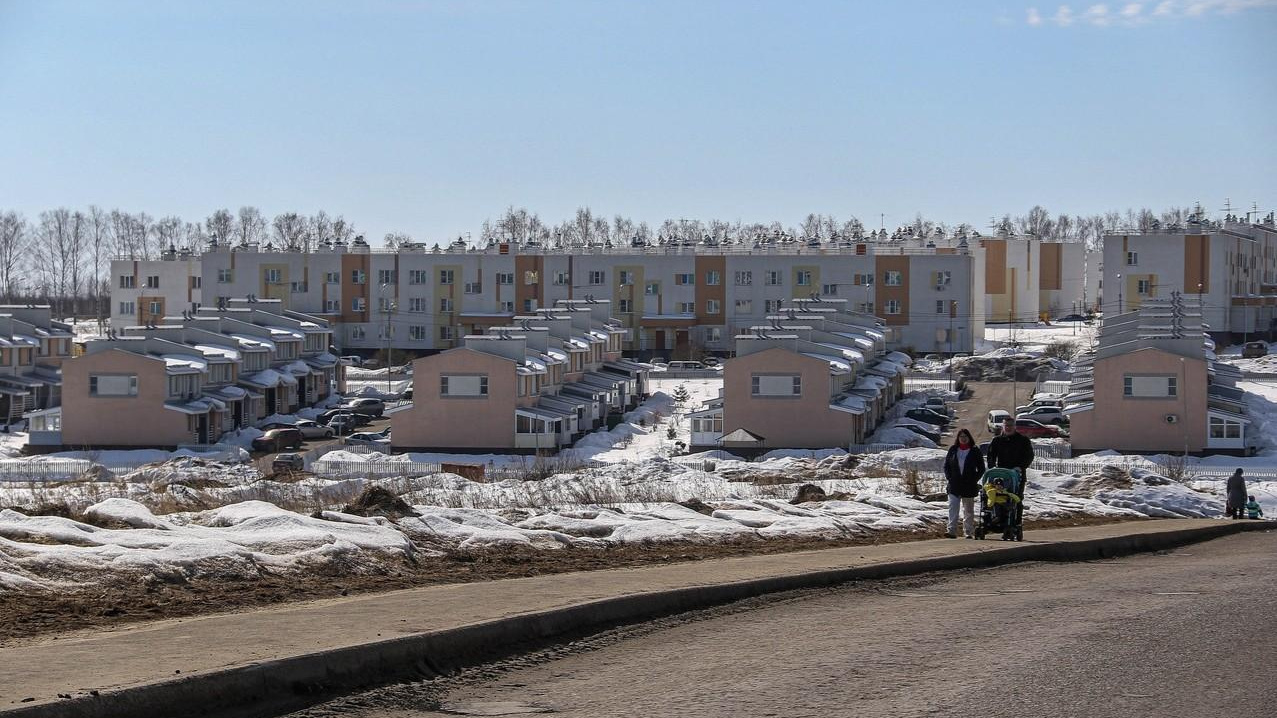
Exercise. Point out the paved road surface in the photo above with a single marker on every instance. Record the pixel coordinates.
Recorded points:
(1185, 633)
(973, 414)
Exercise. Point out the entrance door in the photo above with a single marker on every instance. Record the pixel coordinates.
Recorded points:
(658, 343)
(682, 344)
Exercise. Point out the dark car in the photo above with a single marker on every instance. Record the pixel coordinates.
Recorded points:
(1254, 349)
(370, 407)
(1072, 318)
(278, 440)
(358, 419)
(286, 463)
(920, 431)
(928, 416)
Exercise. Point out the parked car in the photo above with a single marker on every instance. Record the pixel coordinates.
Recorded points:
(370, 407)
(371, 364)
(1046, 414)
(276, 425)
(685, 365)
(1254, 349)
(374, 437)
(1036, 429)
(1072, 318)
(278, 440)
(352, 361)
(312, 429)
(710, 361)
(287, 462)
(938, 404)
(919, 430)
(1039, 403)
(996, 417)
(928, 416)
(327, 417)
(343, 424)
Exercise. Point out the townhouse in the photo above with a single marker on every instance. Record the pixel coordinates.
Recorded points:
(536, 384)
(1228, 270)
(189, 379)
(1152, 385)
(32, 349)
(673, 301)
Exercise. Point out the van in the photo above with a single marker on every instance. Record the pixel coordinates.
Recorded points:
(996, 417)
(1254, 349)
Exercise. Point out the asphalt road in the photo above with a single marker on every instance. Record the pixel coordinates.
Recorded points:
(973, 413)
(1182, 633)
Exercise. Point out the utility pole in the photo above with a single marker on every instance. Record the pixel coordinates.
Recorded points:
(387, 306)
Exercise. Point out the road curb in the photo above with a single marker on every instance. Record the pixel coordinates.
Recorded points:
(273, 687)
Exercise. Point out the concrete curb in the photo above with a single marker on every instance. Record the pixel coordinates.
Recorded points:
(273, 687)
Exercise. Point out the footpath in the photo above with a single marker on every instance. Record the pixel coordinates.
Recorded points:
(269, 661)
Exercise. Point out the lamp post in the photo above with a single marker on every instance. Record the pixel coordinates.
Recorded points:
(387, 307)
(1119, 292)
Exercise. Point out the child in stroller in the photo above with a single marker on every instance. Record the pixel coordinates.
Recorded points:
(1001, 505)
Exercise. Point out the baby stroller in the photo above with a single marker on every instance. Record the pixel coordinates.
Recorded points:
(1008, 518)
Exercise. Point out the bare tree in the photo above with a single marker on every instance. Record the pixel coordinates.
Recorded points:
(220, 226)
(289, 229)
(396, 240)
(584, 225)
(250, 226)
(342, 230)
(321, 230)
(13, 247)
(169, 232)
(99, 227)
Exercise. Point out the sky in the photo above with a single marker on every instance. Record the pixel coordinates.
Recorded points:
(429, 116)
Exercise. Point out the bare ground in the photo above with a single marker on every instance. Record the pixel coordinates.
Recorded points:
(27, 616)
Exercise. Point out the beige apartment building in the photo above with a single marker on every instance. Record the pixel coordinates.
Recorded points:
(32, 349)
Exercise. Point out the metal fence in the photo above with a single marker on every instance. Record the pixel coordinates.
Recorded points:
(44, 470)
(371, 469)
(872, 448)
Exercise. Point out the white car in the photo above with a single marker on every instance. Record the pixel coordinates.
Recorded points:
(312, 430)
(996, 417)
(1046, 415)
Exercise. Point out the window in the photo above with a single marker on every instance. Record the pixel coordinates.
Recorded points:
(507, 306)
(710, 424)
(384, 304)
(562, 278)
(829, 290)
(892, 278)
(473, 288)
(386, 331)
(332, 277)
(529, 305)
(446, 334)
(113, 385)
(299, 288)
(445, 276)
(776, 385)
(624, 277)
(802, 278)
(225, 276)
(274, 276)
(772, 278)
(866, 307)
(939, 306)
(1224, 429)
(713, 306)
(357, 333)
(893, 306)
(687, 307)
(155, 308)
(505, 277)
(530, 277)
(417, 333)
(416, 304)
(418, 276)
(387, 276)
(864, 280)
(652, 288)
(153, 282)
(331, 306)
(196, 282)
(127, 308)
(944, 278)
(127, 281)
(744, 306)
(445, 304)
(625, 306)
(685, 278)
(771, 306)
(713, 278)
(1143, 287)
(713, 335)
(596, 277)
(1132, 258)
(357, 276)
(1149, 387)
(744, 279)
(358, 304)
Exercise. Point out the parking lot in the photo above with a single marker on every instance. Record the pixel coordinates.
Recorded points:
(973, 413)
(263, 459)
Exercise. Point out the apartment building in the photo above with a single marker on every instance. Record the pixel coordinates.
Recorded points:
(1228, 270)
(815, 376)
(189, 379)
(143, 291)
(32, 349)
(673, 301)
(1152, 386)
(536, 384)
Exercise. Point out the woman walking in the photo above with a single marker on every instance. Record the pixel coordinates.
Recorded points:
(1236, 487)
(963, 467)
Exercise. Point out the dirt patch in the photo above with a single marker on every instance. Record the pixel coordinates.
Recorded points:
(379, 501)
(24, 616)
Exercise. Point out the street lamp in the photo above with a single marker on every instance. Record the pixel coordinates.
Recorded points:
(387, 307)
(1119, 292)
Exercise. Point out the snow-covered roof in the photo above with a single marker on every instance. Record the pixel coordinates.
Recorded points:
(252, 342)
(296, 367)
(860, 340)
(286, 333)
(557, 355)
(269, 378)
(199, 406)
(26, 339)
(218, 350)
(184, 361)
(535, 364)
(837, 365)
(900, 358)
(850, 404)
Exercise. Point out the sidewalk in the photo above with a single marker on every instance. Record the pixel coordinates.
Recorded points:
(271, 658)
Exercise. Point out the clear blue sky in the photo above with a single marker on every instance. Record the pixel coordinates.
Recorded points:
(430, 116)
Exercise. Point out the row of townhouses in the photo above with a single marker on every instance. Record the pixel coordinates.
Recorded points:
(672, 301)
(32, 348)
(189, 379)
(1153, 385)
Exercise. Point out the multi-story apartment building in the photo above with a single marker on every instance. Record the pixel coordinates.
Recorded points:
(535, 385)
(32, 349)
(1152, 386)
(189, 379)
(143, 291)
(673, 301)
(1229, 270)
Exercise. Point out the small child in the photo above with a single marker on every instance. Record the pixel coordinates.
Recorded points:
(1002, 502)
(1252, 508)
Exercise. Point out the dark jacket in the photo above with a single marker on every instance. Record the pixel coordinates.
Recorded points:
(964, 480)
(1236, 486)
(1011, 451)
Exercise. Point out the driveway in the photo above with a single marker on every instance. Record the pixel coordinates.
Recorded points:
(973, 414)
(262, 459)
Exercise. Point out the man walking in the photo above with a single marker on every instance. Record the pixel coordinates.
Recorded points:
(1011, 450)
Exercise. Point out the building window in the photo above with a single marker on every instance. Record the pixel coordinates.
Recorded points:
(358, 304)
(507, 306)
(357, 333)
(332, 277)
(274, 276)
(530, 278)
(652, 289)
(155, 308)
(802, 278)
(713, 335)
(127, 308)
(744, 279)
(561, 278)
(196, 282)
(1144, 287)
(445, 304)
(624, 277)
(625, 306)
(866, 307)
(357, 276)
(1132, 258)
(463, 385)
(387, 276)
(153, 282)
(687, 307)
(225, 276)
(944, 279)
(1149, 387)
(864, 280)
(332, 305)
(772, 278)
(417, 333)
(776, 385)
(127, 281)
(712, 306)
(893, 306)
(473, 288)
(892, 278)
(416, 304)
(299, 288)
(446, 334)
(384, 304)
(418, 276)
(596, 277)
(529, 305)
(685, 278)
(445, 276)
(939, 306)
(1224, 429)
(771, 306)
(744, 306)
(113, 385)
(829, 290)
(505, 277)
(713, 278)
